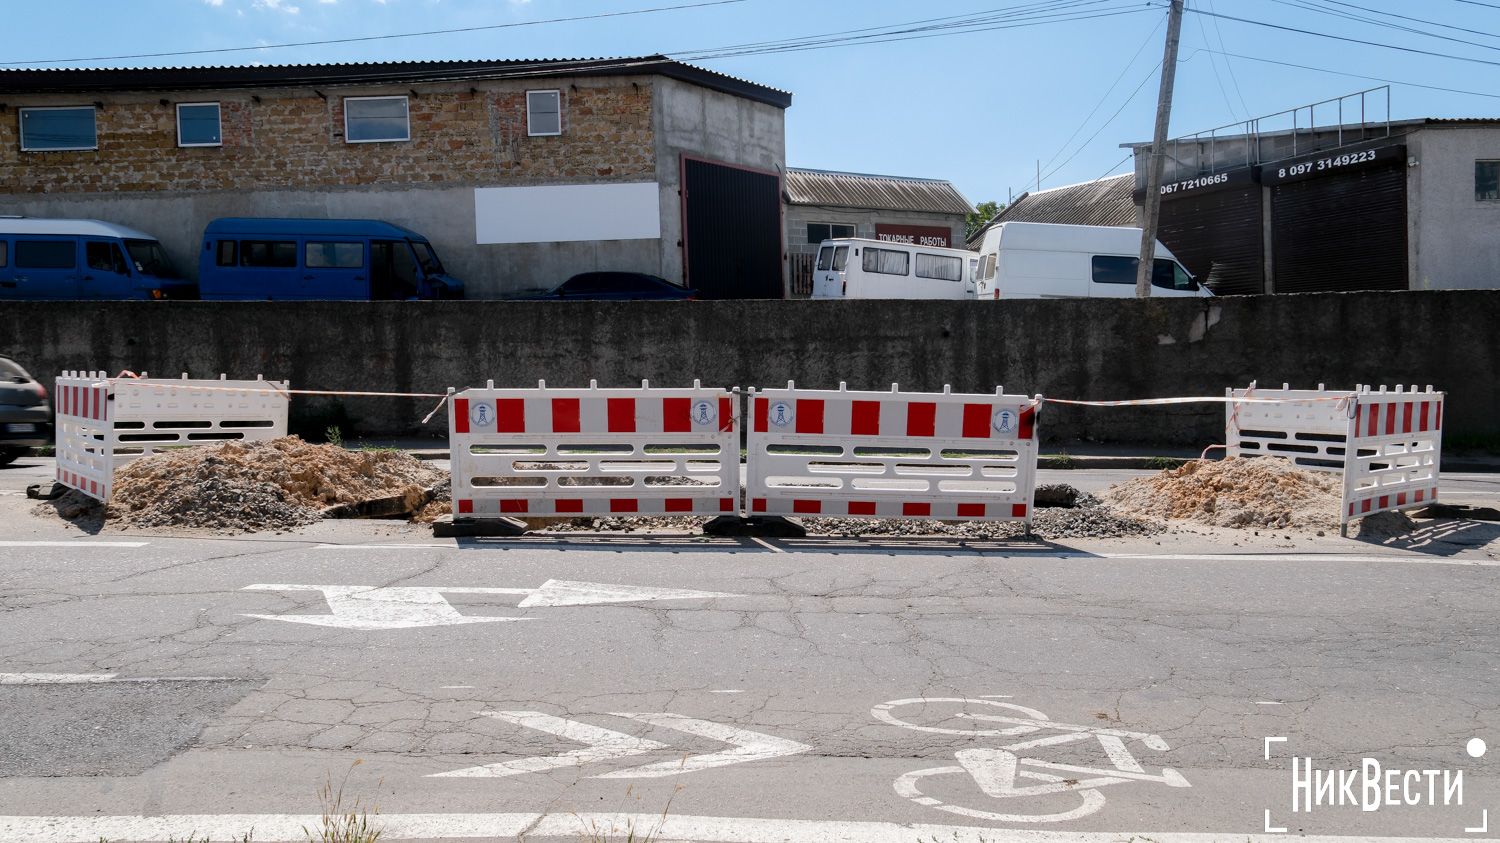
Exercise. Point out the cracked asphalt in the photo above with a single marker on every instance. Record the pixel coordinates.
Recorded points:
(1209, 640)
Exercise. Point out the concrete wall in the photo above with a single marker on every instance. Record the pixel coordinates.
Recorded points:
(701, 123)
(1081, 348)
(1454, 240)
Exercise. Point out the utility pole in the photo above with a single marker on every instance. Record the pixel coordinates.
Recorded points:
(1158, 152)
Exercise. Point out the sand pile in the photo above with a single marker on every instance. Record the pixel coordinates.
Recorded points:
(261, 485)
(1255, 492)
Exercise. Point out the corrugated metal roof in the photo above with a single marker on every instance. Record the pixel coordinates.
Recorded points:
(72, 80)
(859, 190)
(1103, 202)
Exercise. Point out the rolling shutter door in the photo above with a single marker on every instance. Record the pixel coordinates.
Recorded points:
(1340, 232)
(731, 221)
(1217, 236)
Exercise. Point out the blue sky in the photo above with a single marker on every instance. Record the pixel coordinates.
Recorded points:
(978, 108)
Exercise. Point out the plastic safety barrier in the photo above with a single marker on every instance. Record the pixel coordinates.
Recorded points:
(104, 422)
(1387, 443)
(942, 456)
(84, 433)
(574, 452)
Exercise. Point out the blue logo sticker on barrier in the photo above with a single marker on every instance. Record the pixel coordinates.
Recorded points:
(481, 414)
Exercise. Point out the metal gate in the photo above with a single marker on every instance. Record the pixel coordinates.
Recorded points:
(1218, 236)
(731, 224)
(1342, 231)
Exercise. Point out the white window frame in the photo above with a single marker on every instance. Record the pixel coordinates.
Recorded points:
(535, 134)
(21, 129)
(219, 106)
(405, 102)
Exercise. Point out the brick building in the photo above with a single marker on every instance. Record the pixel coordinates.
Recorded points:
(521, 172)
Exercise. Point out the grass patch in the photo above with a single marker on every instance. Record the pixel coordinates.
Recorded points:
(1060, 460)
(1165, 463)
(341, 823)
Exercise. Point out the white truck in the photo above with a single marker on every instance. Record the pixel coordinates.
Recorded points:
(1029, 260)
(857, 268)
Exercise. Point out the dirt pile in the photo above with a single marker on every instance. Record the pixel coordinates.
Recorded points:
(261, 485)
(1264, 492)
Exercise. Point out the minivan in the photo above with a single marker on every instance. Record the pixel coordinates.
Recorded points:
(84, 259)
(859, 268)
(248, 258)
(1030, 260)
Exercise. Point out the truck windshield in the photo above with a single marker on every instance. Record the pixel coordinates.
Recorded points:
(428, 258)
(149, 259)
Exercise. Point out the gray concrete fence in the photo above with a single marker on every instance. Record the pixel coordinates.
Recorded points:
(1078, 348)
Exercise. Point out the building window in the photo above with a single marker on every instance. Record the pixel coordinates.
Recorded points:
(543, 113)
(1487, 181)
(886, 261)
(58, 129)
(198, 124)
(817, 232)
(334, 255)
(376, 119)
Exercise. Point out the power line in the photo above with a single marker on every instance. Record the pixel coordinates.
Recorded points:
(1416, 20)
(1349, 40)
(1477, 3)
(1106, 124)
(1227, 63)
(1351, 75)
(1150, 36)
(364, 38)
(1297, 4)
(1213, 62)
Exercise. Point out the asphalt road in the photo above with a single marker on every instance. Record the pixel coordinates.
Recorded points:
(739, 690)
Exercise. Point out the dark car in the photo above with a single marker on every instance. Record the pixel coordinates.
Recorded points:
(25, 413)
(592, 286)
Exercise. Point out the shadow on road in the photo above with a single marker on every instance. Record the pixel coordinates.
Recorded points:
(1443, 537)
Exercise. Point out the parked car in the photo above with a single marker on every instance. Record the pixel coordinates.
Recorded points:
(25, 412)
(1031, 260)
(246, 258)
(857, 268)
(598, 286)
(84, 259)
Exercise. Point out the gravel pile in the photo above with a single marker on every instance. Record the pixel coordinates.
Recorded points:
(278, 484)
(1255, 492)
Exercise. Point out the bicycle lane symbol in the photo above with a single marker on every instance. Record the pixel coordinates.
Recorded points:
(997, 771)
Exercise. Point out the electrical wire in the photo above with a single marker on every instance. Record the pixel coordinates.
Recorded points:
(1227, 63)
(1408, 17)
(1100, 104)
(1105, 125)
(1300, 31)
(1298, 4)
(1213, 62)
(1351, 75)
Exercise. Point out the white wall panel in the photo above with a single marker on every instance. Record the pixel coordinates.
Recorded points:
(567, 212)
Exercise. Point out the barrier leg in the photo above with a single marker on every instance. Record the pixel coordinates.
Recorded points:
(756, 526)
(463, 528)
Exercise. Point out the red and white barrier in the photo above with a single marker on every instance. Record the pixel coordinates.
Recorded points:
(1396, 448)
(1386, 443)
(104, 422)
(84, 433)
(941, 456)
(571, 452)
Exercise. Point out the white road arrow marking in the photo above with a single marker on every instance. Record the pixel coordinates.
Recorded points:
(368, 607)
(748, 746)
(603, 744)
(567, 593)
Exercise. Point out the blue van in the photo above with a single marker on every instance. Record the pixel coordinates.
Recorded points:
(84, 259)
(249, 258)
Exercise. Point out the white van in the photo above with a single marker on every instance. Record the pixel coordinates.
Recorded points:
(1031, 260)
(856, 268)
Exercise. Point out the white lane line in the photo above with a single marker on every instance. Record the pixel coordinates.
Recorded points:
(767, 545)
(75, 543)
(98, 679)
(728, 691)
(1421, 558)
(285, 827)
(1268, 702)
